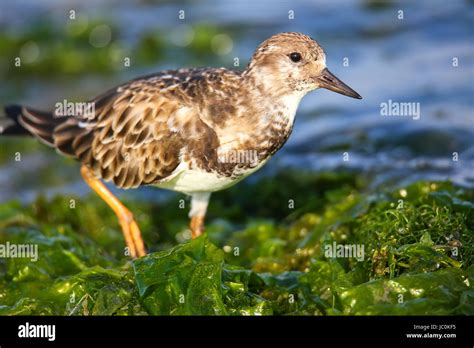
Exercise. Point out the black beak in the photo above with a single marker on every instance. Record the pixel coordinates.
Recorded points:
(329, 81)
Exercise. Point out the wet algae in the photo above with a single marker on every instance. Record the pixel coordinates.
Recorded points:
(263, 254)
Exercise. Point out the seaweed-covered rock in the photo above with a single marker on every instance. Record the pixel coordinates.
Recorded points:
(341, 251)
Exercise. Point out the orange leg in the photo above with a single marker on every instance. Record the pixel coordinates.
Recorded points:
(199, 202)
(130, 229)
(196, 226)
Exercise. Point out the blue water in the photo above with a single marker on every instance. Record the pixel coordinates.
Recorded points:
(404, 60)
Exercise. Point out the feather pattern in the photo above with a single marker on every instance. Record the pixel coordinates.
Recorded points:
(191, 125)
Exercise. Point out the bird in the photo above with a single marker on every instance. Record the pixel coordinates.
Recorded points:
(190, 130)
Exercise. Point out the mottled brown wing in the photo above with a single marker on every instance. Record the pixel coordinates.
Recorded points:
(128, 140)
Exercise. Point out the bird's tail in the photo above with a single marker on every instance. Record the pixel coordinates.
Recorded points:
(28, 122)
(63, 133)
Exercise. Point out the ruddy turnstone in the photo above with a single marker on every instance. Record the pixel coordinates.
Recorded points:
(195, 131)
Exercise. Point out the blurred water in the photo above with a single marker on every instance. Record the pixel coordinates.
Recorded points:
(405, 60)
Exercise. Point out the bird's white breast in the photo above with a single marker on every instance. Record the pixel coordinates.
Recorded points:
(187, 180)
(194, 180)
(291, 103)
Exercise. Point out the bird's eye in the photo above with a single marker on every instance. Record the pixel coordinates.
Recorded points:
(295, 57)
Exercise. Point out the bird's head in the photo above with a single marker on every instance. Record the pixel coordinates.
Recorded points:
(294, 63)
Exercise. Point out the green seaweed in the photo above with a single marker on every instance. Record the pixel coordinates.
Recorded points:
(256, 258)
(64, 48)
